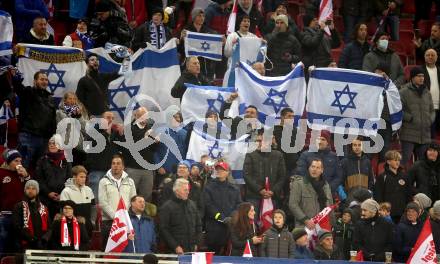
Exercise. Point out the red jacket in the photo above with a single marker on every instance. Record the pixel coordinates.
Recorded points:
(135, 10)
(11, 188)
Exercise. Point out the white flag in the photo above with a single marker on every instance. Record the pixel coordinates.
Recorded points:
(326, 13)
(6, 33)
(424, 249)
(209, 46)
(121, 228)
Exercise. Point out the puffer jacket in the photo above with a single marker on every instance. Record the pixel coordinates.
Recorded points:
(303, 200)
(180, 224)
(357, 172)
(374, 57)
(332, 168)
(353, 54)
(424, 177)
(259, 165)
(418, 114)
(109, 194)
(278, 244)
(405, 237)
(283, 49)
(316, 47)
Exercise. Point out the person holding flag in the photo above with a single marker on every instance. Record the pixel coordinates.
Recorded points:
(121, 230)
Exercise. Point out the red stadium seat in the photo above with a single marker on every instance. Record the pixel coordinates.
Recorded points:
(408, 7)
(339, 24)
(406, 24)
(372, 26)
(425, 28)
(407, 70)
(293, 9)
(336, 53)
(299, 21)
(8, 260)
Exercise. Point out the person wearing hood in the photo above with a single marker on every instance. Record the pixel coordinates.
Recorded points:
(434, 218)
(68, 230)
(326, 249)
(316, 44)
(51, 173)
(175, 130)
(373, 234)
(144, 238)
(278, 241)
(309, 194)
(393, 186)
(356, 168)
(283, 48)
(247, 8)
(407, 232)
(382, 53)
(418, 115)
(221, 198)
(79, 39)
(301, 239)
(191, 75)
(343, 233)
(114, 185)
(331, 165)
(77, 191)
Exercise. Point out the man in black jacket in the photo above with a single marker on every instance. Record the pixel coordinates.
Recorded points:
(191, 75)
(221, 198)
(92, 89)
(36, 122)
(373, 234)
(180, 223)
(287, 118)
(38, 34)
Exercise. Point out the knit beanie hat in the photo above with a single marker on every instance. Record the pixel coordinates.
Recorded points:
(323, 233)
(10, 155)
(361, 194)
(415, 71)
(423, 200)
(436, 208)
(297, 233)
(185, 163)
(370, 205)
(326, 134)
(283, 18)
(413, 206)
(32, 183)
(195, 12)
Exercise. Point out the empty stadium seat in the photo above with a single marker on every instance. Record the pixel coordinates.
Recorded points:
(406, 24)
(408, 7)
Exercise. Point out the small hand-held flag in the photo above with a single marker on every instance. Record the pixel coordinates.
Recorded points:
(266, 210)
(121, 228)
(202, 257)
(424, 249)
(247, 253)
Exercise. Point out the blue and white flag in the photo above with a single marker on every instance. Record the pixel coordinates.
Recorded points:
(349, 101)
(269, 94)
(64, 66)
(233, 151)
(5, 114)
(209, 46)
(6, 33)
(198, 100)
(154, 73)
(248, 50)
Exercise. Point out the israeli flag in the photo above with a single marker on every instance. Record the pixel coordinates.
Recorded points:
(248, 50)
(198, 100)
(233, 151)
(209, 46)
(5, 114)
(6, 33)
(269, 94)
(350, 102)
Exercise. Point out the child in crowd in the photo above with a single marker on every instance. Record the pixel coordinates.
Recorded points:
(343, 233)
(385, 211)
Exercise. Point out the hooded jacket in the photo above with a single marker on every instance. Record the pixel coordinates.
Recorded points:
(426, 176)
(109, 193)
(357, 172)
(405, 237)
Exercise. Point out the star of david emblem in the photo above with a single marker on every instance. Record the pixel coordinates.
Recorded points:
(212, 102)
(276, 99)
(59, 83)
(205, 46)
(215, 149)
(122, 88)
(350, 104)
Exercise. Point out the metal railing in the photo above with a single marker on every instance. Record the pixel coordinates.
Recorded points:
(64, 257)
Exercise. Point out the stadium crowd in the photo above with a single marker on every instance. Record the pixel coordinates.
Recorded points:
(383, 199)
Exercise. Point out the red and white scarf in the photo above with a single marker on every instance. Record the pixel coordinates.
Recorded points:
(65, 237)
(27, 220)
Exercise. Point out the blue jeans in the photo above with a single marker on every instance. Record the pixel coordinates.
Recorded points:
(94, 178)
(31, 148)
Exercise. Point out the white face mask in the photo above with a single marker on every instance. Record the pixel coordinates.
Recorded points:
(383, 44)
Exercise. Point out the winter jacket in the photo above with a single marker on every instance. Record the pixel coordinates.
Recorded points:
(357, 172)
(302, 253)
(31, 38)
(220, 200)
(37, 110)
(114, 29)
(51, 177)
(283, 49)
(216, 18)
(418, 114)
(109, 193)
(321, 254)
(180, 224)
(374, 57)
(429, 43)
(179, 87)
(28, 10)
(257, 19)
(55, 237)
(343, 237)
(392, 188)
(424, 177)
(144, 234)
(374, 237)
(259, 165)
(427, 78)
(92, 91)
(84, 199)
(278, 244)
(332, 168)
(195, 193)
(11, 188)
(270, 26)
(353, 54)
(290, 159)
(238, 242)
(303, 200)
(252, 132)
(435, 226)
(405, 237)
(142, 35)
(316, 47)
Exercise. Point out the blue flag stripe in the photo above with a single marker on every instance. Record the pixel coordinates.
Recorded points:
(349, 77)
(208, 38)
(204, 54)
(5, 45)
(311, 117)
(396, 117)
(211, 88)
(297, 73)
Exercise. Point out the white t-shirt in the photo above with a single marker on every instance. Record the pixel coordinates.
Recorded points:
(434, 89)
